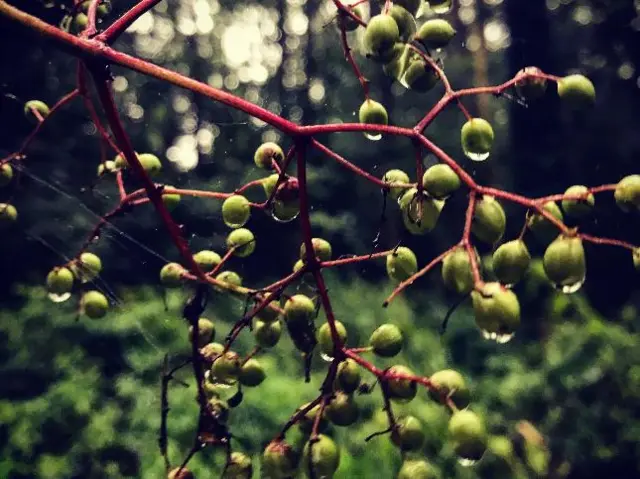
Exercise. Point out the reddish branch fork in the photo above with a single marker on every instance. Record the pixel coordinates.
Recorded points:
(95, 53)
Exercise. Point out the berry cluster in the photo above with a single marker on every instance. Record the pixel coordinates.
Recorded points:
(405, 39)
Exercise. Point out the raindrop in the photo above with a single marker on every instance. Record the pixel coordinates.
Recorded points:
(283, 219)
(500, 338)
(465, 462)
(326, 357)
(476, 156)
(373, 136)
(59, 298)
(570, 288)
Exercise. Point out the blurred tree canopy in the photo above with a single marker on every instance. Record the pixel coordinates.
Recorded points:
(80, 399)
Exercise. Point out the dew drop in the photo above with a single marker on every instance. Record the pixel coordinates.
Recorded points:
(284, 219)
(497, 337)
(476, 156)
(569, 288)
(59, 298)
(373, 136)
(326, 357)
(465, 462)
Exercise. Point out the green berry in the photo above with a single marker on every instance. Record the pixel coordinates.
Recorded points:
(348, 23)
(528, 87)
(279, 460)
(577, 91)
(468, 434)
(8, 214)
(627, 193)
(395, 176)
(171, 275)
(243, 240)
(416, 469)
(476, 137)
(348, 376)
(435, 33)
(170, 200)
(408, 433)
(321, 249)
(206, 332)
(306, 421)
(59, 281)
(511, 261)
(267, 334)
(450, 384)
(581, 207)
(397, 60)
(496, 310)
(321, 457)
(342, 410)
(419, 75)
(381, 34)
(298, 265)
(6, 174)
(41, 107)
(266, 154)
(150, 162)
(80, 22)
(564, 263)
(373, 113)
(401, 264)
(299, 309)
(207, 260)
(239, 467)
(386, 340)
(440, 6)
(226, 368)
(94, 304)
(325, 340)
(404, 20)
(236, 211)
(229, 277)
(269, 184)
(87, 267)
(218, 409)
(108, 166)
(211, 351)
(440, 181)
(457, 274)
(177, 473)
(252, 373)
(542, 228)
(419, 213)
(401, 390)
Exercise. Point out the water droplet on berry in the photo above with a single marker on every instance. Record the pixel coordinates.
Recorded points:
(500, 338)
(326, 357)
(570, 288)
(476, 156)
(287, 219)
(59, 298)
(373, 136)
(464, 462)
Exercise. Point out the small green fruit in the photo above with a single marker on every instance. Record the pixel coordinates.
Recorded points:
(511, 261)
(419, 213)
(342, 410)
(581, 207)
(627, 193)
(528, 87)
(236, 211)
(450, 385)
(401, 264)
(87, 267)
(41, 107)
(440, 181)
(267, 334)
(397, 61)
(381, 34)
(401, 390)
(298, 265)
(373, 113)
(468, 434)
(542, 228)
(321, 248)
(171, 275)
(6, 174)
(404, 20)
(266, 154)
(299, 309)
(408, 434)
(226, 368)
(419, 75)
(348, 376)
(8, 214)
(416, 469)
(457, 274)
(59, 281)
(206, 332)
(239, 467)
(229, 277)
(80, 22)
(279, 460)
(170, 200)
(477, 137)
(577, 91)
(320, 458)
(207, 259)
(218, 409)
(324, 337)
(269, 184)
(386, 340)
(252, 373)
(435, 33)
(94, 304)
(564, 263)
(211, 351)
(243, 240)
(306, 421)
(497, 311)
(440, 7)
(396, 176)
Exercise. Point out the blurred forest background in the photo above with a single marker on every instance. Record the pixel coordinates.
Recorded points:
(80, 398)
